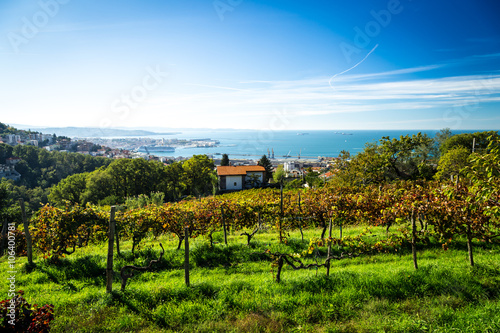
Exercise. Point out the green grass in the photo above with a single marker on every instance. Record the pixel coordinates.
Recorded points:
(232, 290)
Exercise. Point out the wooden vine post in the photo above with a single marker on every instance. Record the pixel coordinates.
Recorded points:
(329, 248)
(414, 238)
(281, 210)
(26, 233)
(223, 224)
(117, 242)
(109, 266)
(280, 266)
(469, 245)
(4, 238)
(300, 221)
(186, 255)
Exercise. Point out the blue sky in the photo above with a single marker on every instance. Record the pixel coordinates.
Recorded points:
(336, 64)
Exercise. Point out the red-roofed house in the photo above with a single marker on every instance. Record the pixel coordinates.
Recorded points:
(13, 160)
(327, 175)
(234, 178)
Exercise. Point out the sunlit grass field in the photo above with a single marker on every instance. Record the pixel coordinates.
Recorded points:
(233, 289)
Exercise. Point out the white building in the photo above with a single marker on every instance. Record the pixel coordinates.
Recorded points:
(48, 137)
(13, 160)
(8, 172)
(292, 169)
(234, 178)
(13, 139)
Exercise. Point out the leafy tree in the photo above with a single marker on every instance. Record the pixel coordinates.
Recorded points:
(174, 181)
(28, 174)
(279, 174)
(5, 152)
(408, 157)
(484, 173)
(405, 157)
(6, 129)
(365, 168)
(33, 197)
(4, 200)
(199, 171)
(214, 180)
(27, 153)
(466, 140)
(225, 160)
(253, 181)
(342, 162)
(69, 189)
(452, 162)
(99, 185)
(312, 179)
(132, 177)
(42, 168)
(264, 161)
(440, 137)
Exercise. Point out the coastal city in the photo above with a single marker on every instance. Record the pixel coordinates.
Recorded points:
(151, 149)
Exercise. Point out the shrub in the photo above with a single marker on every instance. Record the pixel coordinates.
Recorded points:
(17, 315)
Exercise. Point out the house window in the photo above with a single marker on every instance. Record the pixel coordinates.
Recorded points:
(234, 183)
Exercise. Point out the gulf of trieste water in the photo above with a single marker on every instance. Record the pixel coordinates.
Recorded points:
(252, 144)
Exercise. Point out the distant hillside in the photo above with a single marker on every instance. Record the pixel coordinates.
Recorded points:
(94, 132)
(8, 129)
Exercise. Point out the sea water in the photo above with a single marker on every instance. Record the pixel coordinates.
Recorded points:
(252, 144)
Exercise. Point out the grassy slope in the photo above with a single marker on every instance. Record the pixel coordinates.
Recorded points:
(233, 290)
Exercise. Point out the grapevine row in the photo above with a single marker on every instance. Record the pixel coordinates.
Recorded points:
(446, 209)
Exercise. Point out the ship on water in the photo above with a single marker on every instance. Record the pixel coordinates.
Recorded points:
(155, 149)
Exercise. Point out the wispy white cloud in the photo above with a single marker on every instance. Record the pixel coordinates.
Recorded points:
(403, 96)
(412, 121)
(487, 40)
(402, 71)
(314, 96)
(217, 87)
(351, 68)
(85, 26)
(492, 55)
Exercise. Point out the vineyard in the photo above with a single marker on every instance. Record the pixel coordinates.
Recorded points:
(411, 212)
(401, 256)
(328, 246)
